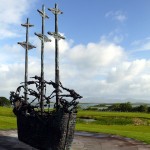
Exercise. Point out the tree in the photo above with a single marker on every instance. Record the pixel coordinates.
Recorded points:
(126, 107)
(135, 109)
(4, 101)
(148, 110)
(143, 108)
(114, 107)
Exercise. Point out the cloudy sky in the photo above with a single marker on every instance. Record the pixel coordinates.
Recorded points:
(106, 54)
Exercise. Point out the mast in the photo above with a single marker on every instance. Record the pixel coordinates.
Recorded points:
(56, 58)
(57, 37)
(43, 39)
(27, 46)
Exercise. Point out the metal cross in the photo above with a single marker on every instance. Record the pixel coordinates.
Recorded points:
(57, 37)
(27, 46)
(43, 39)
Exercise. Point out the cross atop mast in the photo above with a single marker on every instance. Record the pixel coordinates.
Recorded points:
(57, 37)
(43, 39)
(27, 46)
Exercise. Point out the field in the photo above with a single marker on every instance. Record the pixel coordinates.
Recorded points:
(7, 119)
(132, 125)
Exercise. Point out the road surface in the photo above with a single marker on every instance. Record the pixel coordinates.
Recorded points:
(82, 141)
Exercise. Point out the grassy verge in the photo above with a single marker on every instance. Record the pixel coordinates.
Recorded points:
(97, 114)
(6, 111)
(7, 119)
(132, 125)
(141, 133)
(7, 123)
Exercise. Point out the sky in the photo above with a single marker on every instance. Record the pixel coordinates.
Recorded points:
(105, 56)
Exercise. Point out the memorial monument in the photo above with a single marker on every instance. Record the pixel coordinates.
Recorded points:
(39, 125)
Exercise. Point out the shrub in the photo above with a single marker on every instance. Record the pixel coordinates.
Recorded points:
(4, 101)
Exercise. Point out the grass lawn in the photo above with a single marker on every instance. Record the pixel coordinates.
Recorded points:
(7, 123)
(132, 125)
(98, 114)
(7, 119)
(141, 133)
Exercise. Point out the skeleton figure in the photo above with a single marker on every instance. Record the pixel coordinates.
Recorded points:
(73, 94)
(21, 105)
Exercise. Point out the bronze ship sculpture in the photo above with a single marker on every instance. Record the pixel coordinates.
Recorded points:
(38, 125)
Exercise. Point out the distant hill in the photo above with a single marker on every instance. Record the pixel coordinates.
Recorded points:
(99, 100)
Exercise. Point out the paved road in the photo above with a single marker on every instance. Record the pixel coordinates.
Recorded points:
(92, 141)
(82, 141)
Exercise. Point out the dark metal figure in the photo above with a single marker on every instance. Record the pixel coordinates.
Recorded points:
(72, 94)
(57, 37)
(43, 39)
(46, 129)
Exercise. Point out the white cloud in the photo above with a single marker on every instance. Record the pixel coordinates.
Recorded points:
(93, 55)
(127, 71)
(50, 46)
(9, 53)
(7, 33)
(94, 70)
(97, 70)
(130, 79)
(11, 13)
(114, 36)
(116, 15)
(141, 45)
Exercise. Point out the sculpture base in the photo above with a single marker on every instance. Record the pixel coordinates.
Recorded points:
(54, 131)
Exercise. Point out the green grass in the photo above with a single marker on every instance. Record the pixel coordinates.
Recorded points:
(98, 114)
(7, 123)
(132, 125)
(6, 111)
(113, 121)
(141, 133)
(7, 119)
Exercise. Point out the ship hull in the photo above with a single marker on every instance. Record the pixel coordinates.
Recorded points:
(47, 132)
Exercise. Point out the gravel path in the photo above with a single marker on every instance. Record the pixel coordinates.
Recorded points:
(82, 141)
